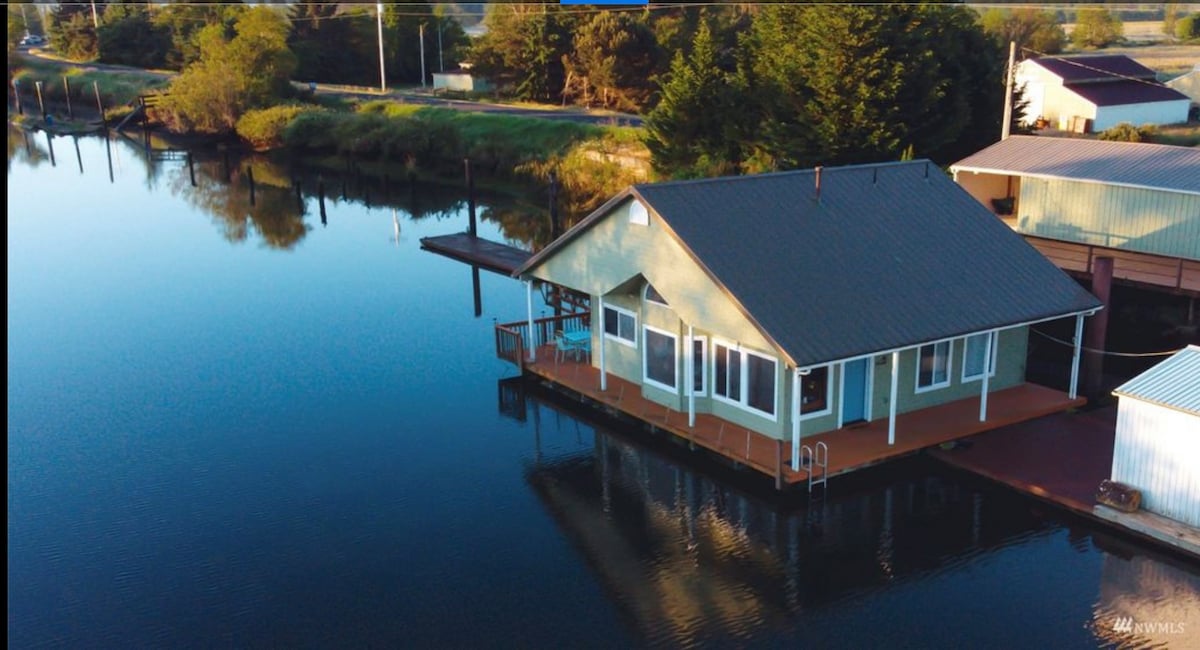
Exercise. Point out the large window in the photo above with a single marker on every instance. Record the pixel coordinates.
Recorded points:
(658, 358)
(933, 366)
(620, 325)
(814, 393)
(974, 351)
(744, 378)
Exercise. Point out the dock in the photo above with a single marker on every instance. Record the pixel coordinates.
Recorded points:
(1062, 459)
(484, 253)
(850, 449)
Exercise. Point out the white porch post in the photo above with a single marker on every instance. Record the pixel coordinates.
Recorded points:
(690, 380)
(1075, 356)
(892, 400)
(841, 394)
(529, 313)
(987, 364)
(600, 340)
(796, 420)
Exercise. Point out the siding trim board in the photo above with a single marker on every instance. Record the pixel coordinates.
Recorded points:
(1074, 179)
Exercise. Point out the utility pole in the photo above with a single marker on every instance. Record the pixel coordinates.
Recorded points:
(441, 63)
(95, 16)
(421, 34)
(1008, 90)
(382, 73)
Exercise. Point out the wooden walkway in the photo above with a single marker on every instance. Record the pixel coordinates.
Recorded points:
(487, 254)
(1139, 269)
(849, 449)
(1062, 459)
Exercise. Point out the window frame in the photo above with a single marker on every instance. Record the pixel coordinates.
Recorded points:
(617, 337)
(828, 394)
(744, 379)
(992, 365)
(647, 299)
(917, 387)
(646, 379)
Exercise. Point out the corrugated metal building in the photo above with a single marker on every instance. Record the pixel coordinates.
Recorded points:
(1120, 195)
(1157, 448)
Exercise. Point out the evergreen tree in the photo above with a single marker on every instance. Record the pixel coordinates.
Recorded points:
(687, 132)
(614, 57)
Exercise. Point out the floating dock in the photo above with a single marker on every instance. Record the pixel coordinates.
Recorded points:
(1062, 459)
(484, 253)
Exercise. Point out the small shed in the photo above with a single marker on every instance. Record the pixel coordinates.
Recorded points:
(460, 80)
(1157, 447)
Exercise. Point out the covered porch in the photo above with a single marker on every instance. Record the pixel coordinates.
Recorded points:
(849, 448)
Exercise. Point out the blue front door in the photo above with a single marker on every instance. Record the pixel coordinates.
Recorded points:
(854, 399)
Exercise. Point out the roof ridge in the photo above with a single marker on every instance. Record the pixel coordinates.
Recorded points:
(786, 172)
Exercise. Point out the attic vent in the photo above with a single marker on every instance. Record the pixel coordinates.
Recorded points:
(638, 214)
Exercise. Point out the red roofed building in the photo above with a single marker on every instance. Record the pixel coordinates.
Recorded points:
(1093, 93)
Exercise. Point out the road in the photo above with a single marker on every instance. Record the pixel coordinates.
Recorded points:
(403, 96)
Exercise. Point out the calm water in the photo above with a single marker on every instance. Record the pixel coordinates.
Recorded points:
(234, 426)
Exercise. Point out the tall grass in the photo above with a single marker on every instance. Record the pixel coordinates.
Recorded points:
(116, 88)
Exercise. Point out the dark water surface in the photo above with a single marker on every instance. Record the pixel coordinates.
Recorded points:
(232, 426)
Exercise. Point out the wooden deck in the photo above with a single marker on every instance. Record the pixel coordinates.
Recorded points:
(849, 449)
(1139, 269)
(487, 254)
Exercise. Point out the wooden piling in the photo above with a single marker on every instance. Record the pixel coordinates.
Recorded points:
(321, 197)
(100, 106)
(17, 97)
(78, 155)
(191, 168)
(475, 288)
(1097, 325)
(108, 154)
(554, 229)
(67, 92)
(41, 104)
(250, 178)
(50, 146)
(470, 197)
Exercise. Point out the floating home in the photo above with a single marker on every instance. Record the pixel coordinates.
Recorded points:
(803, 324)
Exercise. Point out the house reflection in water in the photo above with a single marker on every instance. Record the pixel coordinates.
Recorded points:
(694, 556)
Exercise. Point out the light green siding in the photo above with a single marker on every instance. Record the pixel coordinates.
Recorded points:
(614, 251)
(1128, 218)
(1010, 371)
(614, 260)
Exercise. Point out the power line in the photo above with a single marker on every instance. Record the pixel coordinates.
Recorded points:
(1106, 352)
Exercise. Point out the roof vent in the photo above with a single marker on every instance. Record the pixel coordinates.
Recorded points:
(817, 179)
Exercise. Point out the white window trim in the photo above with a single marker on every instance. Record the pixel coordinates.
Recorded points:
(917, 388)
(614, 337)
(991, 370)
(674, 390)
(703, 340)
(650, 301)
(828, 395)
(744, 379)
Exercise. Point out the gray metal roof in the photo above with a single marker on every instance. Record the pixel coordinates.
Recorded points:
(892, 255)
(1174, 383)
(1135, 164)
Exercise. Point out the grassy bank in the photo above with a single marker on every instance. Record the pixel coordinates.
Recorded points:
(592, 162)
(117, 87)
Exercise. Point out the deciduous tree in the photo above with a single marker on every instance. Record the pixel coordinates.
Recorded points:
(1096, 27)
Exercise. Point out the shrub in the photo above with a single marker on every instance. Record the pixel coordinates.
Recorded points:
(1188, 27)
(1126, 132)
(313, 130)
(264, 128)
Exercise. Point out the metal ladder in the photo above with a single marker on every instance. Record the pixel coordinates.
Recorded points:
(809, 461)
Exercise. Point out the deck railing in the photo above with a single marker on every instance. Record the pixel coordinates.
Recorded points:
(513, 341)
